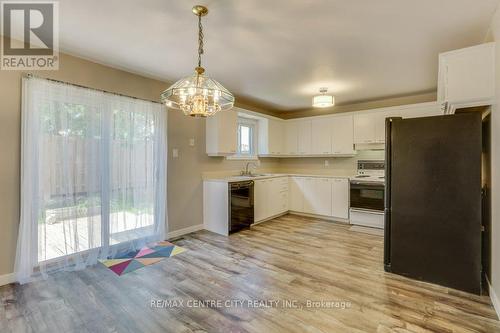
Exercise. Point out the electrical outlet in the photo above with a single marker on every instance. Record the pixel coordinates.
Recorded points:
(191, 142)
(175, 153)
(327, 163)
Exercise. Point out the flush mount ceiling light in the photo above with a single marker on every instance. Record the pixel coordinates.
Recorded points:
(198, 95)
(323, 100)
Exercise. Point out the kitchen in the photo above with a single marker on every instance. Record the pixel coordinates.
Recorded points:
(360, 198)
(320, 166)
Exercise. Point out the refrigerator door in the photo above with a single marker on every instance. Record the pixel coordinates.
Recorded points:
(435, 200)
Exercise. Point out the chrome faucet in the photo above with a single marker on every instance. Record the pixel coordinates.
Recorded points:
(247, 172)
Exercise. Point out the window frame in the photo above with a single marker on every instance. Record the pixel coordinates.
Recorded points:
(253, 124)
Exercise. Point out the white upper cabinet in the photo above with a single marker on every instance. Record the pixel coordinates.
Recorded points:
(335, 135)
(369, 128)
(276, 134)
(365, 128)
(221, 133)
(380, 126)
(271, 137)
(422, 110)
(467, 77)
(342, 132)
(321, 136)
(304, 143)
(291, 138)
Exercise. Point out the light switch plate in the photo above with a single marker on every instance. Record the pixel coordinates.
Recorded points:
(327, 163)
(191, 142)
(175, 153)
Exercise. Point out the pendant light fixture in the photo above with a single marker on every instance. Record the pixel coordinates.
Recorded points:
(198, 95)
(323, 100)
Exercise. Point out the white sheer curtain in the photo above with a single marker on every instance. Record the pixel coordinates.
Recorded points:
(93, 176)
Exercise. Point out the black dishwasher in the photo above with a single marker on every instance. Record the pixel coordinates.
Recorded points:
(240, 205)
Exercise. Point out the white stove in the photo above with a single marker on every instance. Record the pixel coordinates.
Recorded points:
(369, 178)
(367, 194)
(370, 171)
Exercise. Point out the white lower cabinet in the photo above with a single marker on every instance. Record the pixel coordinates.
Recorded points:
(320, 196)
(309, 194)
(260, 199)
(284, 190)
(270, 197)
(296, 195)
(340, 198)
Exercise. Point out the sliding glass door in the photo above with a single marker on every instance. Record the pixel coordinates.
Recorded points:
(69, 187)
(93, 176)
(132, 190)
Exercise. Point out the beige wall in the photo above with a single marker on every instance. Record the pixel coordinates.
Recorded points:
(184, 173)
(185, 187)
(495, 164)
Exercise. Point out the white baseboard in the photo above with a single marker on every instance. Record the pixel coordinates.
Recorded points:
(6, 279)
(494, 298)
(322, 217)
(270, 218)
(183, 231)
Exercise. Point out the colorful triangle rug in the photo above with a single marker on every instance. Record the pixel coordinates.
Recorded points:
(146, 256)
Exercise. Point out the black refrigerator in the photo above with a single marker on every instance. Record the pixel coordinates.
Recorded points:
(433, 200)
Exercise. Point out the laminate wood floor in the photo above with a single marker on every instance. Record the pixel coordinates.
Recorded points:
(269, 274)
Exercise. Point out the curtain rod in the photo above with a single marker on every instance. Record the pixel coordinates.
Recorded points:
(31, 75)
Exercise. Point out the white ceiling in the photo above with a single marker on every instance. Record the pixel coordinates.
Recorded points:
(280, 52)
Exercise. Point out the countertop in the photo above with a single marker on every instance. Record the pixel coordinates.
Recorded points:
(235, 178)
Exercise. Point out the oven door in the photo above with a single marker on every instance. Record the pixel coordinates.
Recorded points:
(367, 196)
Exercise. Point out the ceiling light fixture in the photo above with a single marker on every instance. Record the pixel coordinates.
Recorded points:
(198, 95)
(323, 100)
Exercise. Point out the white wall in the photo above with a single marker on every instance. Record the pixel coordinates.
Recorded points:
(495, 167)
